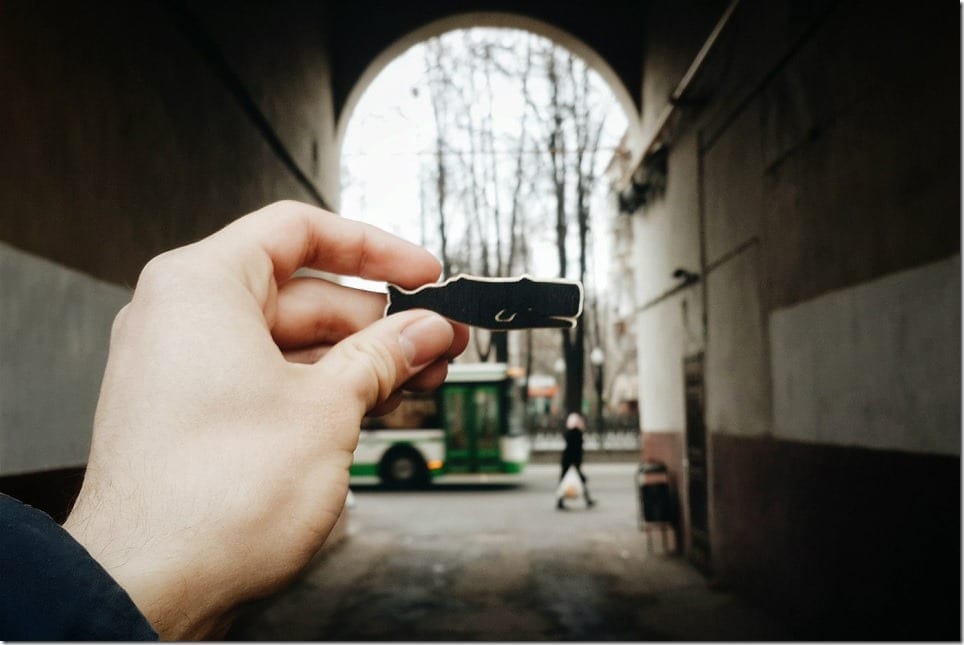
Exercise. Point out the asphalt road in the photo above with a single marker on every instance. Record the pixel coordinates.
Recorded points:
(470, 562)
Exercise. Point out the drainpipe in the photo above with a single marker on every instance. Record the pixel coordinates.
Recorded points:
(676, 97)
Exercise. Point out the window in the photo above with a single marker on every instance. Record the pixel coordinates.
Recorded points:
(415, 411)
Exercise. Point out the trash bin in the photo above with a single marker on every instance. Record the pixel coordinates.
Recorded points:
(655, 502)
(656, 508)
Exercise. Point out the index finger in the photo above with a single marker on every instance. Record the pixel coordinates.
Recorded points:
(290, 235)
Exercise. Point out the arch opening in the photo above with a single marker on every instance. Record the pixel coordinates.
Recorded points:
(488, 147)
(479, 86)
(471, 20)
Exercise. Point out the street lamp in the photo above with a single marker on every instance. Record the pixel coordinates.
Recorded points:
(597, 358)
(560, 368)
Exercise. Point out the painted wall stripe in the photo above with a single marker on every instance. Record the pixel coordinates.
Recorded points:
(54, 331)
(876, 365)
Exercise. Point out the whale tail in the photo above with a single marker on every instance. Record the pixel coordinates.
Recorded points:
(395, 299)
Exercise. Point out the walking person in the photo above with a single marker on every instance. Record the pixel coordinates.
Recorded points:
(572, 456)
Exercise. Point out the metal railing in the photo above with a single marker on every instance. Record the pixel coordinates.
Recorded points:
(616, 433)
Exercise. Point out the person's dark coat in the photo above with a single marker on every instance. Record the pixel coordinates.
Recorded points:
(572, 455)
(51, 589)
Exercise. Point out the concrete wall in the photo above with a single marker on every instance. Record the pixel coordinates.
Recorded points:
(876, 365)
(128, 129)
(279, 52)
(674, 33)
(54, 333)
(814, 180)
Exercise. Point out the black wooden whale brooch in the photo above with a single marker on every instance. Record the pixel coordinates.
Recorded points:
(495, 303)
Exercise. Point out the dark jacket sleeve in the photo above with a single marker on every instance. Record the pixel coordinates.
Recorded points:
(52, 589)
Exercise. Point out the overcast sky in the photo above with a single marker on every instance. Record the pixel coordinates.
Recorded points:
(392, 129)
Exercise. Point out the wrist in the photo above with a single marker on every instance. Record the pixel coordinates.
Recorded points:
(158, 590)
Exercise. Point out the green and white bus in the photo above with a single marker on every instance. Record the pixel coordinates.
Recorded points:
(470, 429)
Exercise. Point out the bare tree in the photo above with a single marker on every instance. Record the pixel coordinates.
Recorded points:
(438, 81)
(486, 178)
(573, 132)
(468, 164)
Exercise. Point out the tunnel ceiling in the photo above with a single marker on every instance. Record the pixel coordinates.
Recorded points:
(363, 29)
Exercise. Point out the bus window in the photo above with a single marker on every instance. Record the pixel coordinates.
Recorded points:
(487, 417)
(417, 410)
(455, 417)
(515, 413)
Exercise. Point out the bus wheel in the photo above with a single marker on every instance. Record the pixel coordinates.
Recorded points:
(403, 468)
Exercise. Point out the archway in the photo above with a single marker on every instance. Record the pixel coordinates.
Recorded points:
(492, 19)
(368, 199)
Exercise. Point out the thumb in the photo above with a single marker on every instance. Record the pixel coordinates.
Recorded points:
(374, 362)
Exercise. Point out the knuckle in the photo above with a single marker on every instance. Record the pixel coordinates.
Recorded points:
(286, 213)
(285, 204)
(118, 325)
(158, 269)
(171, 272)
(380, 370)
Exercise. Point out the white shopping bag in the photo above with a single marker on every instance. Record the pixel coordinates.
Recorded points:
(571, 485)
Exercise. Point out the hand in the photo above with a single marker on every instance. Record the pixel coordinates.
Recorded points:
(231, 406)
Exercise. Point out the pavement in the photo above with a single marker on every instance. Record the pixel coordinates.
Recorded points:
(464, 562)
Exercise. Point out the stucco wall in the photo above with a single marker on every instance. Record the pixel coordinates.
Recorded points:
(819, 158)
(674, 34)
(811, 165)
(54, 333)
(876, 365)
(738, 387)
(126, 131)
(666, 237)
(279, 52)
(122, 134)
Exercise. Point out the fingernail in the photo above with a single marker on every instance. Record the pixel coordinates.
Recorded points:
(425, 339)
